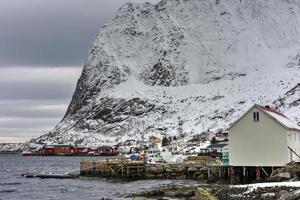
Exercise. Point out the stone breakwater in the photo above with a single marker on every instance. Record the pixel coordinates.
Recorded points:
(140, 170)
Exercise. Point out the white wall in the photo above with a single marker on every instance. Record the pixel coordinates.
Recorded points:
(293, 140)
(262, 143)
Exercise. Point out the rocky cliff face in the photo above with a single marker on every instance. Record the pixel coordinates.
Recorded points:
(202, 63)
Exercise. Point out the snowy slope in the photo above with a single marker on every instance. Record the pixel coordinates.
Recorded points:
(203, 62)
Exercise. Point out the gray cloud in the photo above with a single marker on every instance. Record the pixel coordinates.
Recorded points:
(56, 32)
(33, 109)
(37, 84)
(27, 123)
(33, 100)
(35, 90)
(43, 44)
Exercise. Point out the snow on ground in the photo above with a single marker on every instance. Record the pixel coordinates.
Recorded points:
(272, 184)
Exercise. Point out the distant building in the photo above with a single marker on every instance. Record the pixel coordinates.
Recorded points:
(154, 139)
(108, 150)
(222, 136)
(65, 149)
(207, 136)
(218, 147)
(263, 137)
(57, 149)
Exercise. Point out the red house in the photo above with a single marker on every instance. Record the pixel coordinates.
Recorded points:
(70, 150)
(80, 150)
(108, 151)
(57, 149)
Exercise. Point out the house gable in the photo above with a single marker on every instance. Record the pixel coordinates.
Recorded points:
(257, 143)
(247, 121)
(272, 116)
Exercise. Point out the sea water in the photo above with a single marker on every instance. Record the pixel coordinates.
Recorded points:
(15, 187)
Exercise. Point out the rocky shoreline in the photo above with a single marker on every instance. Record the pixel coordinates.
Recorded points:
(215, 192)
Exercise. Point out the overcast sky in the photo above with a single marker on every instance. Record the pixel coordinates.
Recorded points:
(43, 44)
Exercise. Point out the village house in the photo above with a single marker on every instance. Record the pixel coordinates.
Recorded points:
(222, 136)
(67, 149)
(154, 139)
(263, 137)
(207, 136)
(108, 150)
(57, 149)
(218, 147)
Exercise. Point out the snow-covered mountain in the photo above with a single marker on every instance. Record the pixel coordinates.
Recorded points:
(199, 63)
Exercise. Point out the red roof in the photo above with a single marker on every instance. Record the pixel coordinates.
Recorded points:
(279, 117)
(267, 108)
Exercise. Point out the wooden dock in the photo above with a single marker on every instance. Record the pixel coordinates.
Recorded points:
(126, 169)
(196, 168)
(112, 168)
(50, 175)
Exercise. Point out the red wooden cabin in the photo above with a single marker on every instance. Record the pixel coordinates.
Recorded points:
(108, 150)
(57, 149)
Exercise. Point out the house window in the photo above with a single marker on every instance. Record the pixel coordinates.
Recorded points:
(256, 116)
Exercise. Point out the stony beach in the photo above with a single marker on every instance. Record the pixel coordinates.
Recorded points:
(221, 192)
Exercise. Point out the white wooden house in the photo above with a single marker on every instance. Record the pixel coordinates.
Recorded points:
(207, 136)
(218, 147)
(263, 137)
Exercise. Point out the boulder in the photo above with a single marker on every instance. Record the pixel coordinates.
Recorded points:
(188, 193)
(192, 169)
(160, 176)
(139, 198)
(282, 176)
(204, 194)
(202, 176)
(148, 175)
(295, 195)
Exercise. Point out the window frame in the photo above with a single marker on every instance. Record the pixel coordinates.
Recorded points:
(256, 117)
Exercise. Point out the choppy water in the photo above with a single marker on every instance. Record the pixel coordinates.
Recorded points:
(15, 187)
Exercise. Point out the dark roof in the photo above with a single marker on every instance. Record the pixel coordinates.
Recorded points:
(217, 145)
(105, 147)
(58, 145)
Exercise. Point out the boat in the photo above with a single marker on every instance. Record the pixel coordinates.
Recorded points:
(154, 159)
(26, 153)
(154, 155)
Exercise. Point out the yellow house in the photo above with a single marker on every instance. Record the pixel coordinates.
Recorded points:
(263, 137)
(154, 139)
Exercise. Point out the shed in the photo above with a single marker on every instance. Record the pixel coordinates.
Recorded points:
(263, 137)
(218, 147)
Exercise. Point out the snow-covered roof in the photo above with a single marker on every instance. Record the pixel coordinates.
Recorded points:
(279, 117)
(217, 145)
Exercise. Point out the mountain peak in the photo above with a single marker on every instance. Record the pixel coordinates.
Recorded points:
(203, 61)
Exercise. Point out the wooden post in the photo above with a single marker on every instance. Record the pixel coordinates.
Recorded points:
(244, 174)
(232, 175)
(208, 172)
(272, 171)
(257, 173)
(267, 175)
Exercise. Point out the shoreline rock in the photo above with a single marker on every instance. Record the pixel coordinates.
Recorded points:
(215, 192)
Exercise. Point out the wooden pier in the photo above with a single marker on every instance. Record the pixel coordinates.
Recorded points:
(198, 169)
(126, 169)
(112, 168)
(50, 175)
